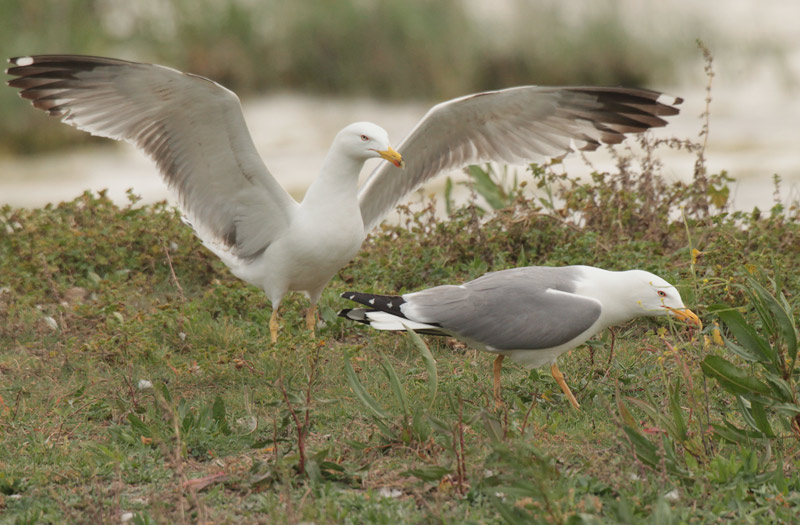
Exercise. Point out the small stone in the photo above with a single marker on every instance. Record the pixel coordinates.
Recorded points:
(76, 294)
(386, 492)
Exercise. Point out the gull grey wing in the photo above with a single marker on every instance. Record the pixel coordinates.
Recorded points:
(517, 309)
(515, 126)
(190, 126)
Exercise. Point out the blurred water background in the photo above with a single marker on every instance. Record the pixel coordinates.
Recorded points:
(306, 69)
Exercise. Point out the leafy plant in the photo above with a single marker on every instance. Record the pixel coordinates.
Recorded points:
(411, 425)
(195, 429)
(766, 384)
(498, 191)
(671, 428)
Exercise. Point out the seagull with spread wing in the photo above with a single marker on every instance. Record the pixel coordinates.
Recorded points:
(194, 130)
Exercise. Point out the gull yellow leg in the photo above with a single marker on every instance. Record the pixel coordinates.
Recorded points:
(311, 319)
(273, 326)
(559, 377)
(498, 365)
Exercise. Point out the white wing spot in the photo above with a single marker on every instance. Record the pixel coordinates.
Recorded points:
(666, 99)
(24, 61)
(389, 305)
(372, 301)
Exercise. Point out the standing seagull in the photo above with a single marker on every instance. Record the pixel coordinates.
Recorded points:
(531, 314)
(194, 130)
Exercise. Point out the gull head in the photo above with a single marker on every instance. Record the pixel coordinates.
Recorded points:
(654, 296)
(364, 140)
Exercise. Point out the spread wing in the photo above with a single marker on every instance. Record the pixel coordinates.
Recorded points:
(515, 126)
(190, 126)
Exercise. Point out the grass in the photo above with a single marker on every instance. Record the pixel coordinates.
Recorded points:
(137, 380)
(99, 302)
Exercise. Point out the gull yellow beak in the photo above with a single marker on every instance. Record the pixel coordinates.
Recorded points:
(392, 156)
(686, 316)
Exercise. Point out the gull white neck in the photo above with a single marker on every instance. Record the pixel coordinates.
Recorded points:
(614, 291)
(337, 183)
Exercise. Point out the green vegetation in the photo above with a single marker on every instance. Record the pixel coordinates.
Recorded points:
(136, 375)
(137, 381)
(412, 49)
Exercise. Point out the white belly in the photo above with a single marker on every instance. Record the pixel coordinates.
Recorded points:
(305, 259)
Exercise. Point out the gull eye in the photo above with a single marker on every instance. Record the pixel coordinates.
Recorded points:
(662, 293)
(364, 138)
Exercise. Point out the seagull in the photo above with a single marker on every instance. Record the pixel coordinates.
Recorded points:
(194, 130)
(531, 314)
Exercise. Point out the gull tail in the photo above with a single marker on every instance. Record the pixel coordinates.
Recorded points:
(385, 303)
(385, 321)
(384, 313)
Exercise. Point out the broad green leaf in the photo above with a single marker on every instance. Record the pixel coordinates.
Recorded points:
(420, 425)
(760, 417)
(752, 344)
(670, 457)
(394, 382)
(788, 308)
(430, 365)
(438, 425)
(522, 258)
(653, 414)
(781, 389)
(719, 195)
(744, 409)
(139, 426)
(321, 455)
(663, 514)
(448, 196)
(677, 412)
(312, 471)
(388, 432)
(767, 321)
(790, 409)
(487, 187)
(493, 428)
(643, 448)
(330, 465)
(162, 387)
(730, 433)
(783, 318)
(361, 393)
(624, 413)
(328, 314)
(218, 409)
(218, 413)
(744, 353)
(732, 378)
